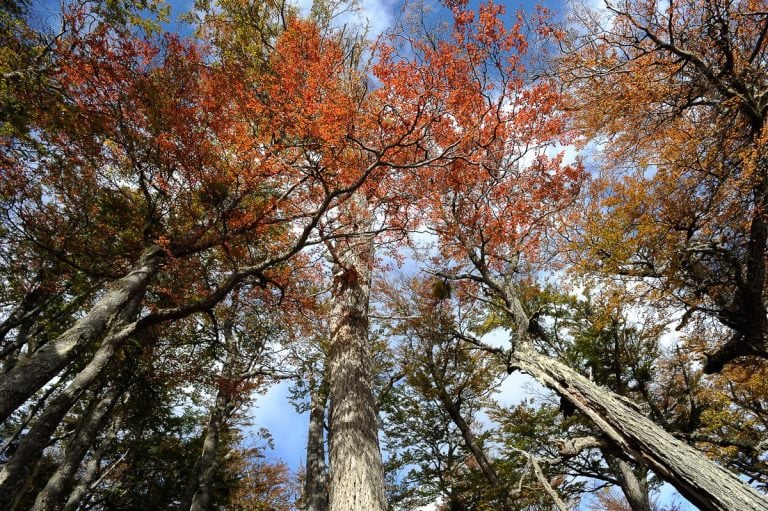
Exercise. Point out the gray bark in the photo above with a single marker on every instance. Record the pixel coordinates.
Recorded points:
(634, 487)
(222, 409)
(704, 483)
(20, 466)
(316, 483)
(92, 468)
(356, 471)
(542, 478)
(26, 310)
(470, 441)
(31, 373)
(51, 496)
(30, 415)
(209, 455)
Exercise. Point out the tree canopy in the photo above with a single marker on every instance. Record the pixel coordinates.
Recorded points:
(391, 225)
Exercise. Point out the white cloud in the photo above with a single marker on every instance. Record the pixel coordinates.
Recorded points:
(517, 386)
(375, 15)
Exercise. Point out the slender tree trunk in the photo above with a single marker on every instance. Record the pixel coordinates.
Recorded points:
(209, 457)
(704, 483)
(52, 495)
(12, 352)
(316, 483)
(19, 467)
(93, 467)
(634, 487)
(26, 310)
(31, 373)
(30, 415)
(470, 441)
(356, 472)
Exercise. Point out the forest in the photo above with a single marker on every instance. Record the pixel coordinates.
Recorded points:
(201, 202)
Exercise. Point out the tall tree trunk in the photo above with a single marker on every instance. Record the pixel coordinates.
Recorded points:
(31, 373)
(472, 445)
(52, 495)
(93, 467)
(704, 483)
(701, 481)
(634, 487)
(316, 483)
(209, 456)
(356, 471)
(19, 467)
(222, 409)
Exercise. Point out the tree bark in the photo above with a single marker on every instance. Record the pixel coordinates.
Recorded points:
(93, 467)
(52, 495)
(316, 483)
(19, 467)
(31, 373)
(704, 483)
(209, 457)
(356, 471)
(471, 443)
(635, 488)
(24, 311)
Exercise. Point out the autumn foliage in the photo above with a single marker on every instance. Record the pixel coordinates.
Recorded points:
(190, 216)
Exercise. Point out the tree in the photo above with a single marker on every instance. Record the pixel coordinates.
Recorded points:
(447, 384)
(198, 199)
(594, 336)
(679, 89)
(244, 328)
(155, 188)
(492, 226)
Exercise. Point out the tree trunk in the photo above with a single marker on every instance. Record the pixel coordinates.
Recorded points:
(210, 453)
(209, 457)
(52, 495)
(20, 466)
(32, 373)
(31, 412)
(26, 310)
(635, 488)
(316, 483)
(471, 443)
(704, 483)
(357, 474)
(93, 467)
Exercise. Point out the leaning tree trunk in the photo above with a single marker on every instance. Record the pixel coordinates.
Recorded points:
(704, 483)
(51, 496)
(20, 466)
(356, 471)
(316, 482)
(93, 467)
(32, 373)
(470, 441)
